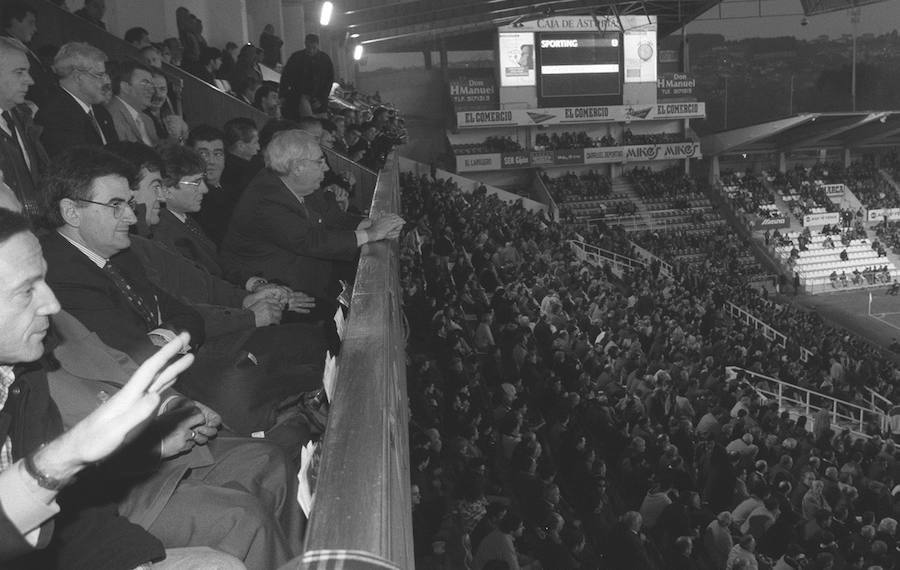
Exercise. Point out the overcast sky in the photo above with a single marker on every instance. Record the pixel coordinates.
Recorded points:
(740, 19)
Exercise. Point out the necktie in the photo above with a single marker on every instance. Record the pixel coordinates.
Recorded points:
(142, 130)
(13, 135)
(96, 125)
(137, 302)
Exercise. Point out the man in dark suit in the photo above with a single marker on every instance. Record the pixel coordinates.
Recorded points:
(239, 143)
(74, 114)
(39, 460)
(18, 21)
(274, 234)
(103, 284)
(22, 157)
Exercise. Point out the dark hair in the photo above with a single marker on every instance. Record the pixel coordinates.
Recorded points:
(239, 129)
(72, 174)
(135, 34)
(15, 11)
(138, 154)
(179, 161)
(510, 522)
(205, 133)
(230, 45)
(124, 70)
(12, 224)
(263, 92)
(208, 54)
(272, 128)
(310, 38)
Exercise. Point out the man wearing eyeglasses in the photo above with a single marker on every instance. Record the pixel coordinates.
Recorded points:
(74, 114)
(133, 88)
(22, 157)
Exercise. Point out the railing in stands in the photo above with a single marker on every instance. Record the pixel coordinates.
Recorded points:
(365, 177)
(665, 267)
(801, 401)
(542, 194)
(362, 515)
(768, 332)
(202, 102)
(593, 254)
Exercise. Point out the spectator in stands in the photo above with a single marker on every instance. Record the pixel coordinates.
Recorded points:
(169, 127)
(229, 58)
(133, 88)
(241, 145)
(75, 115)
(246, 89)
(22, 157)
(274, 235)
(246, 68)
(93, 11)
(40, 460)
(306, 81)
(152, 56)
(208, 63)
(175, 51)
(267, 100)
(138, 37)
(18, 22)
(271, 47)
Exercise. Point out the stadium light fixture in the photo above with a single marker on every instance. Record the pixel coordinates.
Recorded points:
(325, 13)
(357, 52)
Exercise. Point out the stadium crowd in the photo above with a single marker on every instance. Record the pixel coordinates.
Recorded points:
(564, 417)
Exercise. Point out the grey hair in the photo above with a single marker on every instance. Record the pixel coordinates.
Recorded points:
(76, 55)
(288, 147)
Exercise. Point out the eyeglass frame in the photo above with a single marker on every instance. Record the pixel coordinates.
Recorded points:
(95, 74)
(118, 208)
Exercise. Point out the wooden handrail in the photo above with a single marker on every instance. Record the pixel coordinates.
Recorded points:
(362, 502)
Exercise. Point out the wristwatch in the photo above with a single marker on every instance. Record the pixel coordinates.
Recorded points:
(42, 479)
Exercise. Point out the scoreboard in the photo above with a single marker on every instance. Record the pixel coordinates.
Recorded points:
(579, 65)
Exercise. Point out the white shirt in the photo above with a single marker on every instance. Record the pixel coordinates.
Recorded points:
(9, 130)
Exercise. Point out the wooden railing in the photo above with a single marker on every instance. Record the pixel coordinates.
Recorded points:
(202, 102)
(362, 515)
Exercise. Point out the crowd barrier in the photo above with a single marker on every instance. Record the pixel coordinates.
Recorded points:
(597, 256)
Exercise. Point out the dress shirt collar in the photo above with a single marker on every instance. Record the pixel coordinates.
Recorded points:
(87, 108)
(135, 114)
(95, 257)
(180, 217)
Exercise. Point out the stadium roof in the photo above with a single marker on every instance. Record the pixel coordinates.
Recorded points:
(809, 131)
(418, 24)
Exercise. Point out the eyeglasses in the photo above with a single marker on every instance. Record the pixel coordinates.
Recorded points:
(101, 75)
(117, 204)
(320, 161)
(147, 84)
(194, 183)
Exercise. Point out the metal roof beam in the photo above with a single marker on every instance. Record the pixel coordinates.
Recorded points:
(833, 131)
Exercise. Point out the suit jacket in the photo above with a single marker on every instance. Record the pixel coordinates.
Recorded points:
(177, 236)
(126, 128)
(219, 203)
(65, 124)
(217, 301)
(88, 293)
(274, 235)
(85, 535)
(23, 180)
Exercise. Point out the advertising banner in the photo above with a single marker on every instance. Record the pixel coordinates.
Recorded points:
(517, 59)
(543, 157)
(834, 190)
(601, 155)
(761, 223)
(473, 89)
(829, 218)
(878, 214)
(579, 115)
(515, 160)
(675, 86)
(569, 156)
(477, 162)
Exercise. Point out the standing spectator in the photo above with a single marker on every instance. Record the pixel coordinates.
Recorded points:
(306, 81)
(229, 58)
(271, 47)
(246, 69)
(93, 12)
